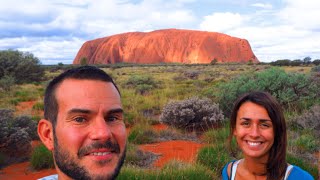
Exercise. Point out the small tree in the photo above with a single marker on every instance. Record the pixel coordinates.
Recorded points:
(316, 62)
(22, 66)
(307, 60)
(214, 61)
(83, 61)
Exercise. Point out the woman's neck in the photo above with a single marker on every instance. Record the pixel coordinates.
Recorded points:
(256, 167)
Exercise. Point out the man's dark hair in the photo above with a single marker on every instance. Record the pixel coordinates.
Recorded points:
(51, 105)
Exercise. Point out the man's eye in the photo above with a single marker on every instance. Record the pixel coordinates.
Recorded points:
(112, 118)
(79, 119)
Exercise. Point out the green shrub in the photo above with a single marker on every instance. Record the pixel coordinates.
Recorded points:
(192, 114)
(292, 90)
(306, 143)
(41, 158)
(22, 66)
(214, 157)
(312, 169)
(6, 82)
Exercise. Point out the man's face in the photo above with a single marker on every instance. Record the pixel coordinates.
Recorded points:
(90, 135)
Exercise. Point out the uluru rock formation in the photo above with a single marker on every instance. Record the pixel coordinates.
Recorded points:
(168, 46)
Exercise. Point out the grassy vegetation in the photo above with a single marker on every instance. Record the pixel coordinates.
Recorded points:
(146, 89)
(41, 158)
(172, 171)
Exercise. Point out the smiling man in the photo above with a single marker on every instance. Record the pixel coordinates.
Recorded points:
(83, 125)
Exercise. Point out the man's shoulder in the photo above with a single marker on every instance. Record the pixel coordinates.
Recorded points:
(51, 177)
(298, 173)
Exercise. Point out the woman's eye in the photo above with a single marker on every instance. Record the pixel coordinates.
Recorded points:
(245, 124)
(265, 125)
(79, 119)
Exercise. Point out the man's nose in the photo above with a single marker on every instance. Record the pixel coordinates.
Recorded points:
(100, 129)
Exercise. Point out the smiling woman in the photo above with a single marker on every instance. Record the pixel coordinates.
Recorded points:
(257, 122)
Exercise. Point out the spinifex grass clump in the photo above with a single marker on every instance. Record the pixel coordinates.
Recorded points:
(41, 158)
(192, 114)
(173, 170)
(214, 157)
(139, 158)
(142, 134)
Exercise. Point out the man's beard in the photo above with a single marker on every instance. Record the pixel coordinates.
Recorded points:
(70, 166)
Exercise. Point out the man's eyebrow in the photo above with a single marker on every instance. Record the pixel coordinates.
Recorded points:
(118, 110)
(78, 110)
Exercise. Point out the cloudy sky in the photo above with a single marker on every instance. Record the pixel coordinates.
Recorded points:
(55, 30)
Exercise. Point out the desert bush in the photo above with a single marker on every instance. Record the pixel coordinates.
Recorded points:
(28, 124)
(214, 157)
(18, 144)
(309, 120)
(191, 74)
(15, 136)
(142, 84)
(22, 66)
(179, 78)
(316, 62)
(315, 69)
(293, 90)
(41, 158)
(192, 114)
(6, 82)
(6, 115)
(141, 134)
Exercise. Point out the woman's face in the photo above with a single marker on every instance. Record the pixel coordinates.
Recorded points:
(254, 131)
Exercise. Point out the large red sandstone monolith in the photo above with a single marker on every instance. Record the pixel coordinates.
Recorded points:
(168, 45)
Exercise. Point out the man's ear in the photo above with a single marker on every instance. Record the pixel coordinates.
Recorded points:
(45, 132)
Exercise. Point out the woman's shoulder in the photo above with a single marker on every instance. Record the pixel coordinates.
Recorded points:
(225, 170)
(298, 173)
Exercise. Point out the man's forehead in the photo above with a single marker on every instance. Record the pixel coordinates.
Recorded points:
(86, 87)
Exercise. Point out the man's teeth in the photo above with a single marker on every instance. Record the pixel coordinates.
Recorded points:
(254, 143)
(100, 153)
